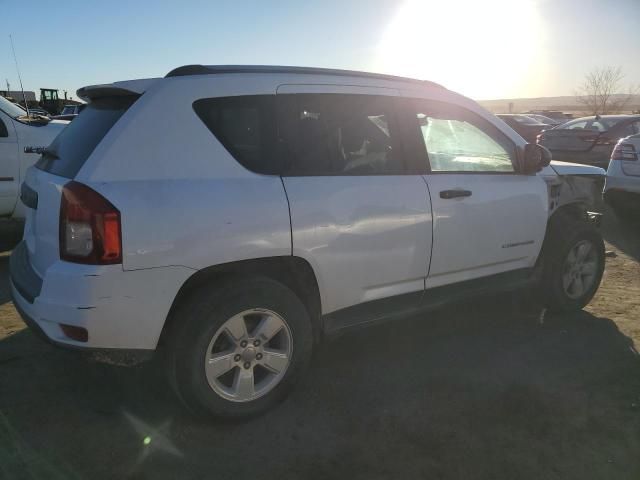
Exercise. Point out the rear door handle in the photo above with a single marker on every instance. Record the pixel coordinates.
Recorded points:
(455, 193)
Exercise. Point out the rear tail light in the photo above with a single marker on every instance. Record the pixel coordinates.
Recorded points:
(89, 227)
(624, 151)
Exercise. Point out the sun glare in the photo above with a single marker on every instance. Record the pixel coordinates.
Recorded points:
(482, 49)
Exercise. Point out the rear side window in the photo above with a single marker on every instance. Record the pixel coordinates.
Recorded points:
(73, 146)
(245, 126)
(338, 134)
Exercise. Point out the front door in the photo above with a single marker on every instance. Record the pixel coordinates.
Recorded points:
(357, 215)
(487, 218)
(9, 166)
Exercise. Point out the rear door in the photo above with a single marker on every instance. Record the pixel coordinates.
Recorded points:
(58, 165)
(487, 219)
(358, 214)
(578, 136)
(9, 165)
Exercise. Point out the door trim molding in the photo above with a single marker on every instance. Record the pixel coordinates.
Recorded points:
(411, 303)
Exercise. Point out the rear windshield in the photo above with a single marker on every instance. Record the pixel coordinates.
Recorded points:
(68, 152)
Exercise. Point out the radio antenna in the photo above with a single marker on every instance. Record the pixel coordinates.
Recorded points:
(15, 59)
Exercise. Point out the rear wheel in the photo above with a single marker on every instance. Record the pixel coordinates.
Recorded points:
(238, 348)
(573, 257)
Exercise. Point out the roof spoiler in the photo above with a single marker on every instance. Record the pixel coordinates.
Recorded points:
(117, 89)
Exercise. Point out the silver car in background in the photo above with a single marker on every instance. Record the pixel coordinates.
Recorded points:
(622, 184)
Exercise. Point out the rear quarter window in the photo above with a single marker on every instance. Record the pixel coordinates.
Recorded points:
(246, 127)
(73, 146)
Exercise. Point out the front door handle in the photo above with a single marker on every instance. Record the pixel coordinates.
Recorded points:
(455, 193)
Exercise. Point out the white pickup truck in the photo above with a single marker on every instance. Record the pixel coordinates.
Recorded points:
(17, 131)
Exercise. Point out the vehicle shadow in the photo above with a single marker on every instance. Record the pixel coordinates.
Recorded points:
(623, 234)
(5, 294)
(10, 233)
(485, 389)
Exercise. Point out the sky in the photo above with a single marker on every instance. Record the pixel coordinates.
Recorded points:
(485, 49)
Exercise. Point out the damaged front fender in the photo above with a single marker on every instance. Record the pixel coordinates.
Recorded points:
(570, 183)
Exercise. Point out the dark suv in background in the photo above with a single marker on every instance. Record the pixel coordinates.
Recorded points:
(526, 126)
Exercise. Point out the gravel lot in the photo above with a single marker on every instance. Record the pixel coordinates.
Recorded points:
(484, 389)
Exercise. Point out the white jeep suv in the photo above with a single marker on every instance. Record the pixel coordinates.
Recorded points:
(229, 217)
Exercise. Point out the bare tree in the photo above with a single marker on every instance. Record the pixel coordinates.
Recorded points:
(600, 92)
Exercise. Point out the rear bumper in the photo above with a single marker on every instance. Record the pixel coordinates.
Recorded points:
(621, 190)
(122, 310)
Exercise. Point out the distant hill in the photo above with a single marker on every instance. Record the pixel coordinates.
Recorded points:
(566, 104)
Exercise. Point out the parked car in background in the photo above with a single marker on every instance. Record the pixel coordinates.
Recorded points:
(555, 115)
(589, 140)
(37, 111)
(69, 112)
(17, 131)
(551, 122)
(526, 126)
(274, 205)
(622, 184)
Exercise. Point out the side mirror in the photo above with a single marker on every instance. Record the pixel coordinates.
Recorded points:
(536, 157)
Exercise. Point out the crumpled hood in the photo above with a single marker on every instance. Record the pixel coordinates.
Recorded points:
(568, 168)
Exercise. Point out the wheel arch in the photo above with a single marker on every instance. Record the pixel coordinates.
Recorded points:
(292, 271)
(575, 211)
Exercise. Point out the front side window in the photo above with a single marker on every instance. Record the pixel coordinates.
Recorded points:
(11, 109)
(457, 140)
(338, 134)
(597, 126)
(575, 125)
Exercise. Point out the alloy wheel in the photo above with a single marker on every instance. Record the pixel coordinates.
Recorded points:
(249, 355)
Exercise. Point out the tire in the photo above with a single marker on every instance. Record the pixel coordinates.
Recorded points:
(569, 238)
(207, 330)
(625, 214)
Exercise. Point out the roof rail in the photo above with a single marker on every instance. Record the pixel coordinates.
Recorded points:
(187, 70)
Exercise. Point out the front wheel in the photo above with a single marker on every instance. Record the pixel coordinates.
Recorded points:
(574, 259)
(239, 347)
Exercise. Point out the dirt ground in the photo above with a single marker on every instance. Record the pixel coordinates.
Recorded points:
(482, 390)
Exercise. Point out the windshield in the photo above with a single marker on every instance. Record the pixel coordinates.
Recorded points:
(11, 109)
